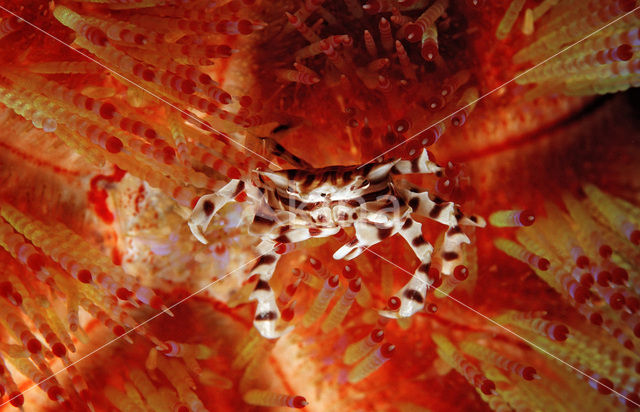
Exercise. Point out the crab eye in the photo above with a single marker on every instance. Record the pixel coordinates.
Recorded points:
(323, 194)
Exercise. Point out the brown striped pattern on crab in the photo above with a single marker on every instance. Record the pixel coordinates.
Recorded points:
(290, 206)
(267, 312)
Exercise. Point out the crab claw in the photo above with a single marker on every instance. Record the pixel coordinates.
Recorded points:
(195, 229)
(346, 250)
(209, 205)
(201, 217)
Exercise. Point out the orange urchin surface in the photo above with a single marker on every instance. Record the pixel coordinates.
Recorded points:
(118, 115)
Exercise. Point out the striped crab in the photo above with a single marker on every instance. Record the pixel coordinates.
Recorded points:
(291, 206)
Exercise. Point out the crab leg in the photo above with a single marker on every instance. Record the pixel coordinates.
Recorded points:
(451, 252)
(446, 213)
(420, 164)
(267, 313)
(411, 231)
(413, 294)
(421, 204)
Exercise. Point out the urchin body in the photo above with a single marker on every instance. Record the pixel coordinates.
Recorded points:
(290, 206)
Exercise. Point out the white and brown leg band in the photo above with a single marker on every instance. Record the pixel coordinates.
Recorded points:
(411, 231)
(421, 164)
(414, 293)
(436, 209)
(451, 252)
(267, 313)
